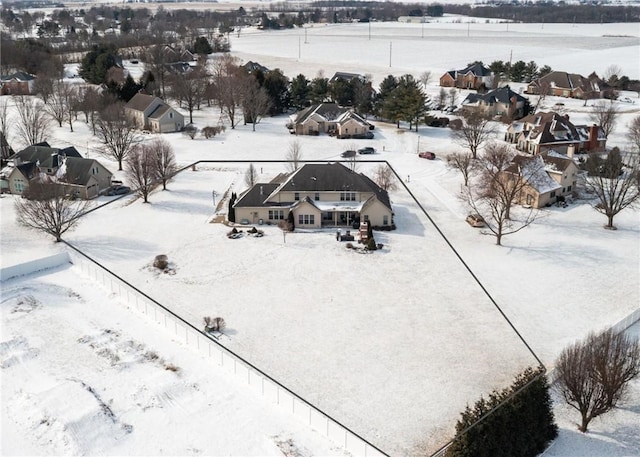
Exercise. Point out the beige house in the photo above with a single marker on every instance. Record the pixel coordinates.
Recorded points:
(151, 113)
(540, 189)
(332, 119)
(563, 170)
(317, 195)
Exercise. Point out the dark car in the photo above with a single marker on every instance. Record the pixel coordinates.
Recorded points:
(118, 190)
(427, 155)
(348, 153)
(367, 150)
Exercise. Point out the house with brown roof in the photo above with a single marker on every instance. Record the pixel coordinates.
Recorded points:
(318, 195)
(19, 83)
(332, 119)
(541, 132)
(563, 84)
(502, 102)
(561, 169)
(475, 76)
(151, 113)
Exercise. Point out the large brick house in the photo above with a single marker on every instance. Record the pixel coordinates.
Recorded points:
(19, 83)
(318, 195)
(541, 132)
(475, 76)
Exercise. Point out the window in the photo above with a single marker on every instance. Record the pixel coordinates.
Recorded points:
(317, 197)
(553, 194)
(348, 196)
(385, 220)
(569, 189)
(170, 115)
(306, 219)
(276, 214)
(296, 196)
(366, 218)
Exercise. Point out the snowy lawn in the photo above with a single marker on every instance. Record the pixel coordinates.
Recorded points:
(392, 343)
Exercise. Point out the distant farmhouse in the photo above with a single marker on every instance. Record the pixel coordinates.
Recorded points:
(501, 102)
(475, 76)
(332, 119)
(541, 132)
(81, 178)
(318, 195)
(251, 67)
(563, 84)
(19, 83)
(151, 113)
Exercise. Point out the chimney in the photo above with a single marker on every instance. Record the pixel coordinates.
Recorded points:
(261, 191)
(571, 150)
(593, 137)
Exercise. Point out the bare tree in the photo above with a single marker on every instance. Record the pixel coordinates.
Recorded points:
(155, 62)
(33, 122)
(612, 73)
(89, 104)
(384, 177)
(47, 207)
(425, 77)
(165, 160)
(453, 97)
(614, 181)
(189, 89)
(475, 131)
(605, 114)
(61, 103)
(140, 170)
(117, 133)
(633, 135)
(255, 102)
(462, 162)
(442, 98)
(592, 375)
(294, 155)
(228, 86)
(5, 121)
(498, 185)
(251, 176)
(544, 89)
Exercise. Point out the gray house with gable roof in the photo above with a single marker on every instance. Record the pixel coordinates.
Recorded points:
(318, 195)
(501, 102)
(151, 113)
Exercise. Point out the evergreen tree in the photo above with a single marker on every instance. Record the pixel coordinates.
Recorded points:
(300, 91)
(319, 89)
(387, 86)
(231, 214)
(291, 221)
(202, 46)
(519, 421)
(96, 63)
(277, 86)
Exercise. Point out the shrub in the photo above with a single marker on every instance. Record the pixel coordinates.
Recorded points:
(210, 132)
(522, 424)
(349, 245)
(161, 262)
(253, 230)
(371, 244)
(190, 130)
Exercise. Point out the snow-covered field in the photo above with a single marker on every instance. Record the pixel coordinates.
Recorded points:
(393, 344)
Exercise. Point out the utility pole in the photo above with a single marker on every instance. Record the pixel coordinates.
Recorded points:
(369, 29)
(390, 48)
(299, 48)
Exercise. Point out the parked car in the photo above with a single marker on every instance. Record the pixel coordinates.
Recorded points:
(118, 190)
(367, 150)
(348, 153)
(427, 155)
(475, 220)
